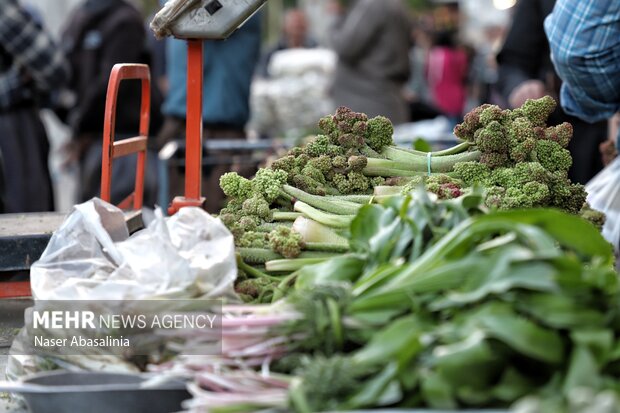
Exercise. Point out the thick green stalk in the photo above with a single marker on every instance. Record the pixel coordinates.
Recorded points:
(295, 264)
(261, 256)
(270, 226)
(285, 216)
(334, 206)
(253, 272)
(381, 191)
(358, 199)
(387, 172)
(314, 233)
(410, 162)
(460, 148)
(330, 220)
(319, 246)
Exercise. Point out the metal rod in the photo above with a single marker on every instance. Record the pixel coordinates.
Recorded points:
(193, 177)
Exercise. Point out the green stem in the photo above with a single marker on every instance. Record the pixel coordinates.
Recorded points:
(460, 148)
(270, 226)
(381, 191)
(388, 172)
(313, 232)
(329, 205)
(295, 264)
(285, 285)
(331, 220)
(253, 272)
(319, 246)
(285, 216)
(410, 162)
(261, 256)
(358, 199)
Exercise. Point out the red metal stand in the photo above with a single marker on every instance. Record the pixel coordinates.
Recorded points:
(113, 150)
(15, 289)
(193, 152)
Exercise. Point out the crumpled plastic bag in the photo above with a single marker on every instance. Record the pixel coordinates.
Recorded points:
(604, 195)
(190, 255)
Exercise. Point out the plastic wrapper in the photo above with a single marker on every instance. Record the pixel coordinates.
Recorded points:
(92, 257)
(604, 195)
(295, 95)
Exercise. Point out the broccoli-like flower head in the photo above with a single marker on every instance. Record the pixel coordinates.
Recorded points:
(346, 119)
(597, 218)
(314, 173)
(357, 163)
(254, 239)
(532, 194)
(248, 223)
(351, 141)
(494, 197)
(566, 195)
(503, 177)
(229, 219)
(380, 133)
(236, 186)
(444, 186)
(309, 185)
(412, 185)
(377, 181)
(257, 206)
(471, 123)
(493, 114)
(322, 163)
(286, 242)
(329, 126)
(268, 183)
(522, 138)
(353, 182)
(340, 162)
(296, 151)
(253, 288)
(319, 146)
(287, 164)
(552, 156)
(562, 134)
(301, 161)
(492, 138)
(529, 172)
(495, 160)
(539, 110)
(472, 172)
(537, 193)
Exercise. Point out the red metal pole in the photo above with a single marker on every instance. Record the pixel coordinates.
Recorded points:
(193, 178)
(193, 131)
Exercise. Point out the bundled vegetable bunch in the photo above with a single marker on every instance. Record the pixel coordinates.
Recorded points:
(298, 211)
(438, 306)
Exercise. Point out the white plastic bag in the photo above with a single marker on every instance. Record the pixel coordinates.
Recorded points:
(604, 195)
(92, 257)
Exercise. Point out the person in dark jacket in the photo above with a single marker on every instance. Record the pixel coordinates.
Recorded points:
(100, 34)
(31, 67)
(526, 72)
(372, 40)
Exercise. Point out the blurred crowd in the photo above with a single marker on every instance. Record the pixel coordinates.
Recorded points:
(389, 60)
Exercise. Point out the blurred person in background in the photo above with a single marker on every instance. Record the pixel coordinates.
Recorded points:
(585, 43)
(372, 40)
(294, 36)
(228, 70)
(98, 35)
(447, 71)
(526, 72)
(31, 68)
(417, 92)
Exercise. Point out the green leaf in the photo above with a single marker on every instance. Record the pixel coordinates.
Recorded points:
(512, 386)
(422, 145)
(346, 268)
(559, 311)
(373, 389)
(437, 393)
(583, 370)
(399, 341)
(499, 321)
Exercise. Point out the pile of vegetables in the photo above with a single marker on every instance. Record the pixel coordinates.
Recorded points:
(298, 211)
(437, 305)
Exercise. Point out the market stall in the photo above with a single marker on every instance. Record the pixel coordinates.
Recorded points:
(350, 274)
